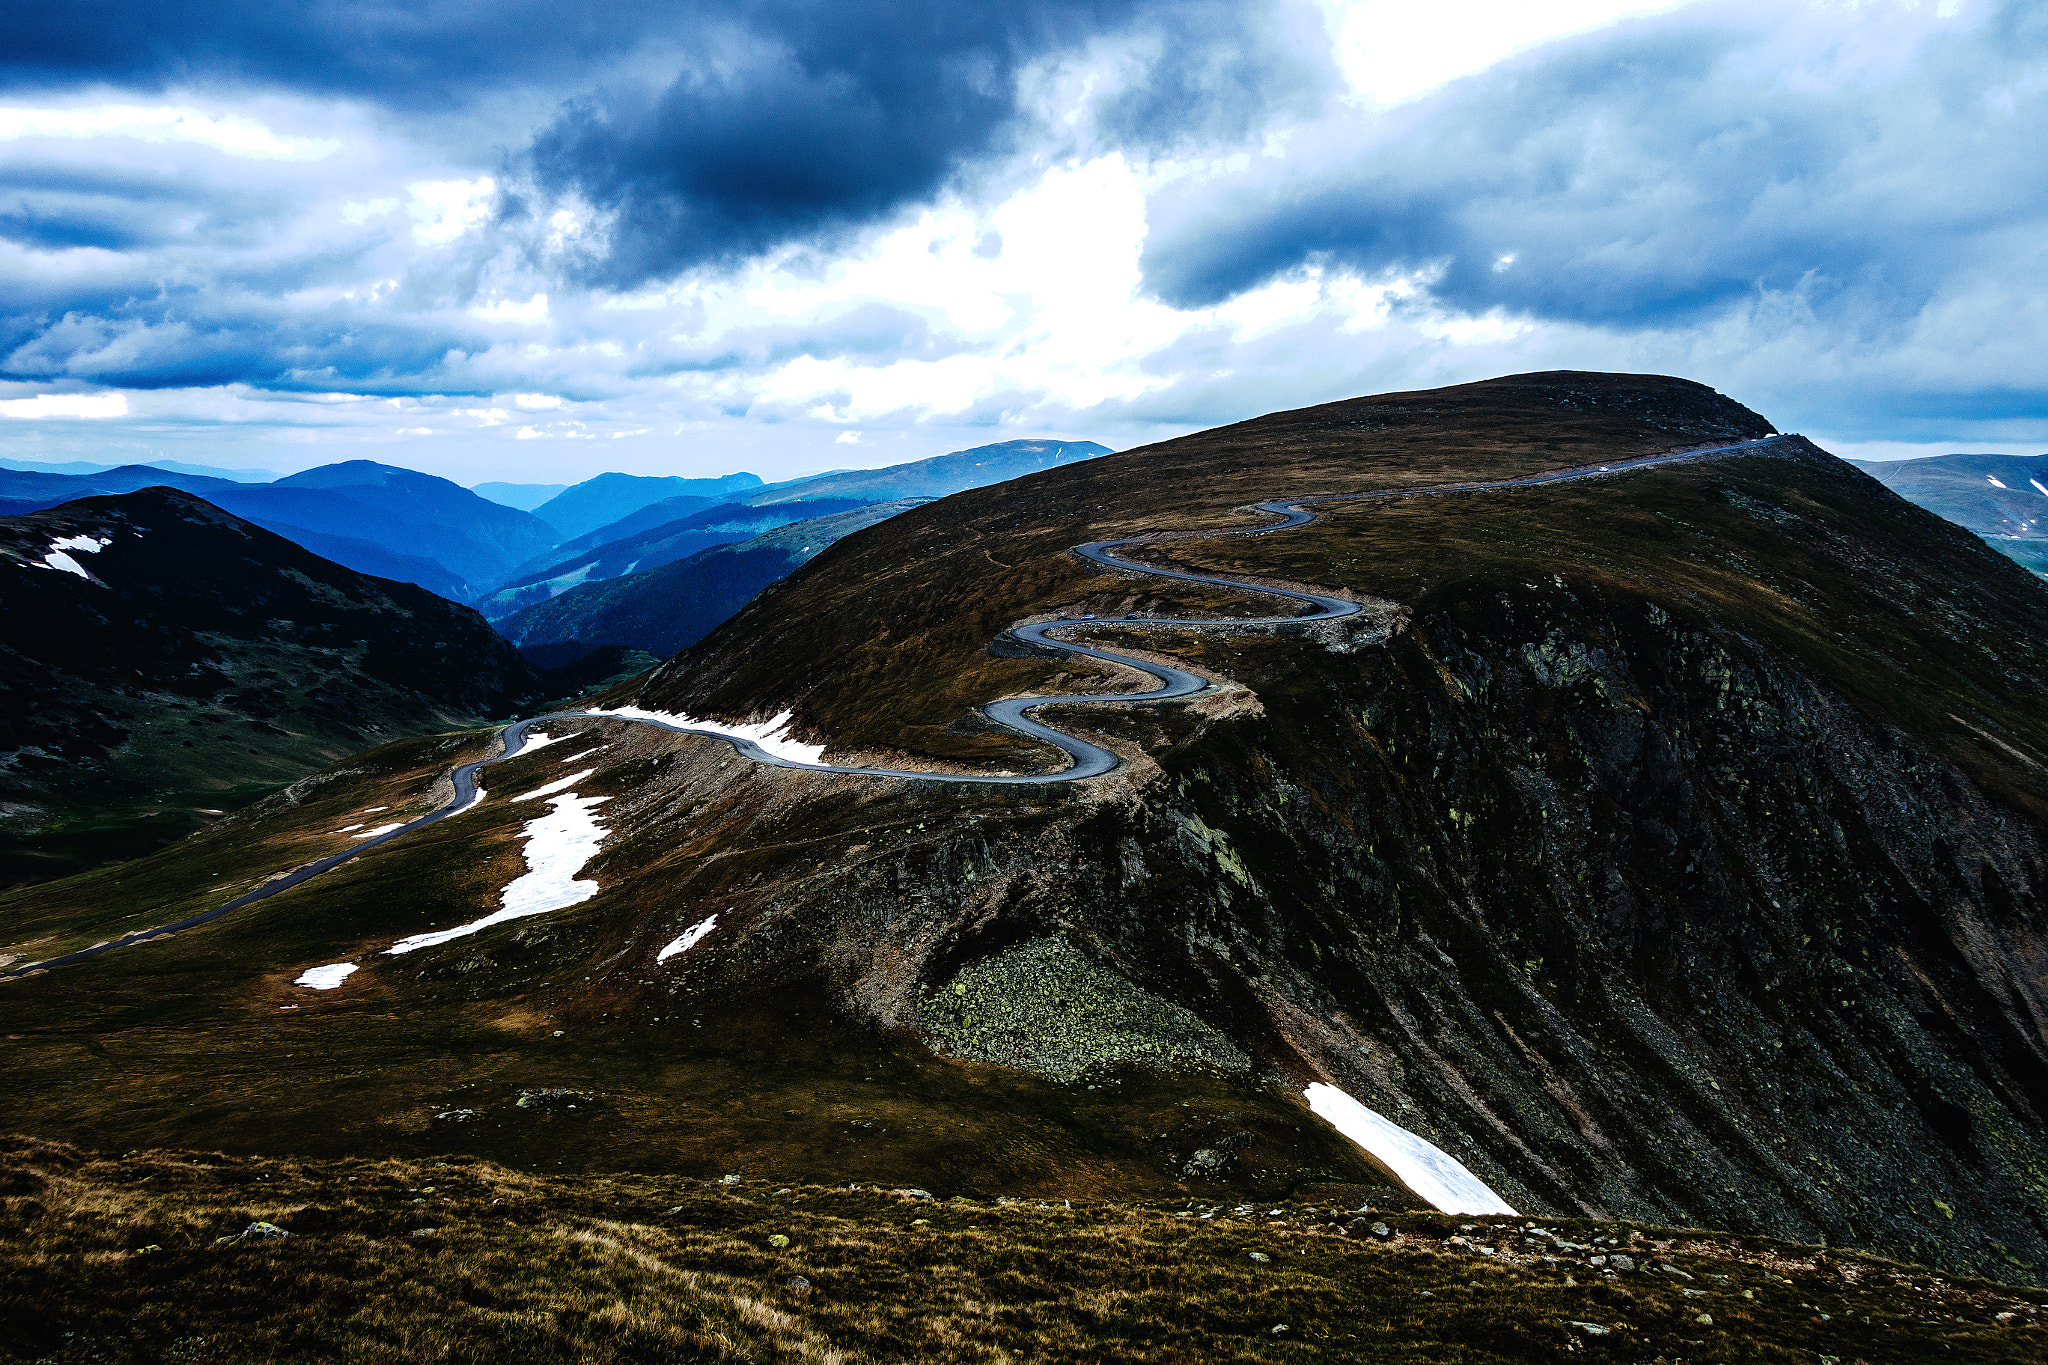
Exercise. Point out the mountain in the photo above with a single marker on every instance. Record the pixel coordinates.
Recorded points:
(662, 544)
(127, 478)
(160, 656)
(476, 538)
(1664, 846)
(666, 512)
(665, 609)
(374, 518)
(933, 478)
(2003, 498)
(660, 523)
(170, 466)
(369, 557)
(604, 499)
(524, 496)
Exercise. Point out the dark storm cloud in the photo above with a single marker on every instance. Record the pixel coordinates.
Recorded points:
(698, 132)
(189, 338)
(398, 52)
(794, 129)
(1655, 177)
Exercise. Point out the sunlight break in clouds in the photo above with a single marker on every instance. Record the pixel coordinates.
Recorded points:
(89, 405)
(230, 133)
(1393, 50)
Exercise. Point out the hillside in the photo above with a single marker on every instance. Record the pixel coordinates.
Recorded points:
(580, 509)
(2003, 498)
(935, 477)
(376, 519)
(477, 539)
(665, 609)
(149, 1256)
(1664, 847)
(568, 566)
(176, 658)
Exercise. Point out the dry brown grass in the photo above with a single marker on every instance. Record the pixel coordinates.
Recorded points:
(125, 1260)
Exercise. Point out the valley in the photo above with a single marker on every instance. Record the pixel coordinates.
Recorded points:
(1590, 846)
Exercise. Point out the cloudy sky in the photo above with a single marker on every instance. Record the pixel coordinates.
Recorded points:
(537, 239)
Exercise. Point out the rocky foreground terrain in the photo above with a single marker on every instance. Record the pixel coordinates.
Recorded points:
(169, 1255)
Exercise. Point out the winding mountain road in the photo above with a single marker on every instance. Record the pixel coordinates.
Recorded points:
(1087, 759)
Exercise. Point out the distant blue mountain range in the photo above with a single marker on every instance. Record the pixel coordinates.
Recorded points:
(489, 551)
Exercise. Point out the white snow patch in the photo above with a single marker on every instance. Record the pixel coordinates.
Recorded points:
(2037, 484)
(551, 788)
(1423, 1167)
(381, 829)
(64, 563)
(687, 939)
(475, 800)
(767, 734)
(372, 810)
(91, 545)
(571, 758)
(558, 844)
(538, 739)
(346, 828)
(1993, 482)
(325, 978)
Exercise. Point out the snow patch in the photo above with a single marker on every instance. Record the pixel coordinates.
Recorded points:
(1422, 1166)
(325, 978)
(372, 810)
(91, 545)
(687, 939)
(768, 733)
(537, 739)
(558, 845)
(2037, 483)
(571, 758)
(476, 799)
(1993, 482)
(551, 788)
(64, 563)
(381, 829)
(346, 828)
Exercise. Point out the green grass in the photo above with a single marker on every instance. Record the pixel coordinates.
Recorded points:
(189, 1040)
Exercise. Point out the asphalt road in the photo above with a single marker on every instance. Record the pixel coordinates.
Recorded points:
(1087, 759)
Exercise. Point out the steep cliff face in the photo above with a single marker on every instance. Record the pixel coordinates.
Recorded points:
(1670, 847)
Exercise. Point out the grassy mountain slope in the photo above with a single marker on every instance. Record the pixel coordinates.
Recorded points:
(1664, 847)
(1999, 497)
(882, 641)
(204, 660)
(665, 609)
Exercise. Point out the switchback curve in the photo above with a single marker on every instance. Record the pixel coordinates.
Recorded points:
(1087, 759)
